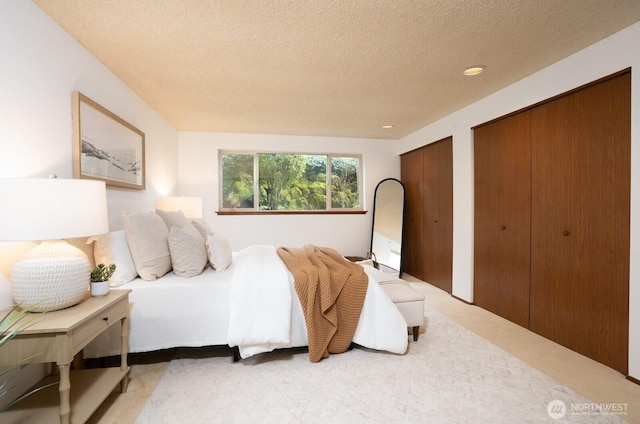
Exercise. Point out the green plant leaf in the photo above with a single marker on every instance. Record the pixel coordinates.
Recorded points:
(102, 272)
(12, 323)
(29, 393)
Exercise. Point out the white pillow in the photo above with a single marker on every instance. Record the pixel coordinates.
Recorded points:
(188, 253)
(113, 248)
(147, 236)
(218, 251)
(172, 218)
(203, 228)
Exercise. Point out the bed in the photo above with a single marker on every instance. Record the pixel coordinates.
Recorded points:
(174, 310)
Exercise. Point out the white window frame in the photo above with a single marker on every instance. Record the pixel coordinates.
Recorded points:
(256, 171)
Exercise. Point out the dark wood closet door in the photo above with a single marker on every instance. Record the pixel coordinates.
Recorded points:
(438, 213)
(580, 221)
(502, 175)
(412, 176)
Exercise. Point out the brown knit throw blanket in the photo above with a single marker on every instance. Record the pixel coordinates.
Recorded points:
(331, 290)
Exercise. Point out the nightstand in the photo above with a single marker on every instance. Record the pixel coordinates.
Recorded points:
(57, 337)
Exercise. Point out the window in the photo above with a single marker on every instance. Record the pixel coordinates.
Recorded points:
(289, 182)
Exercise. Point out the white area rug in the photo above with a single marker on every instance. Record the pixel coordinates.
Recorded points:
(450, 375)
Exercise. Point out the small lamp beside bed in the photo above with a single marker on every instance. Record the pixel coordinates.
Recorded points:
(53, 274)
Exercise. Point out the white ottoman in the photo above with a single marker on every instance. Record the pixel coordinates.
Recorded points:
(409, 301)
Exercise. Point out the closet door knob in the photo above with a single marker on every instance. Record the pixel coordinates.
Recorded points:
(565, 233)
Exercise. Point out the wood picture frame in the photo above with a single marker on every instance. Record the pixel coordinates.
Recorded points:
(105, 146)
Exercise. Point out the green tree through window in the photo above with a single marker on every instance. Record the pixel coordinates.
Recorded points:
(289, 182)
(344, 182)
(237, 181)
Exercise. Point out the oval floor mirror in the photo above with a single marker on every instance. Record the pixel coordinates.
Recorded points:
(386, 231)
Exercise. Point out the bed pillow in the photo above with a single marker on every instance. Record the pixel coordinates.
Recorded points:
(173, 218)
(188, 253)
(112, 248)
(218, 251)
(147, 237)
(203, 228)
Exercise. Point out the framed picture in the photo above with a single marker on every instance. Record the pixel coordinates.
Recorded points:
(105, 146)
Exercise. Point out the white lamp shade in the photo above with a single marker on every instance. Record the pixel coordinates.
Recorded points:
(190, 206)
(52, 209)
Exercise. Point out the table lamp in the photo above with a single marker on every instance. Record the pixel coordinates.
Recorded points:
(190, 206)
(53, 274)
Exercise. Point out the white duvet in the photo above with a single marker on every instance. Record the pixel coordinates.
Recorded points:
(265, 313)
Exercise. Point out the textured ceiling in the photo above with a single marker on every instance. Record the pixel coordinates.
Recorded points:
(328, 67)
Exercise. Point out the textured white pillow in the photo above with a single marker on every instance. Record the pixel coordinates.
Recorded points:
(172, 218)
(203, 228)
(112, 248)
(147, 236)
(188, 254)
(218, 251)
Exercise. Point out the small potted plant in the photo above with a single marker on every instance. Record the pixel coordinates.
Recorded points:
(100, 279)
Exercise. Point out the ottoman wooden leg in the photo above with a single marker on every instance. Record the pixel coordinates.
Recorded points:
(416, 332)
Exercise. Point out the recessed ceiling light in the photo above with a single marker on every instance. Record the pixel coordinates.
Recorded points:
(475, 70)
(387, 127)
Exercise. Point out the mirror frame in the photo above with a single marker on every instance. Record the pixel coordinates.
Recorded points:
(373, 221)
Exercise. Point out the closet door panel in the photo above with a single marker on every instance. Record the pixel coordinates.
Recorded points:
(580, 221)
(502, 175)
(412, 176)
(438, 213)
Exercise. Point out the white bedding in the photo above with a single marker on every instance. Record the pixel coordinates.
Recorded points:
(172, 312)
(191, 312)
(260, 302)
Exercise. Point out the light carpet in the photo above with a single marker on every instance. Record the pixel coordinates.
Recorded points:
(450, 375)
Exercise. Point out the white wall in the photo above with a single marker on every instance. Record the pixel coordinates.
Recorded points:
(40, 66)
(349, 234)
(601, 59)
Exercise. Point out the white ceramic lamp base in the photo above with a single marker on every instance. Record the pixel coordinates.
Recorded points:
(54, 275)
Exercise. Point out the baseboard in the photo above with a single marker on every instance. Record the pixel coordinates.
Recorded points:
(633, 380)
